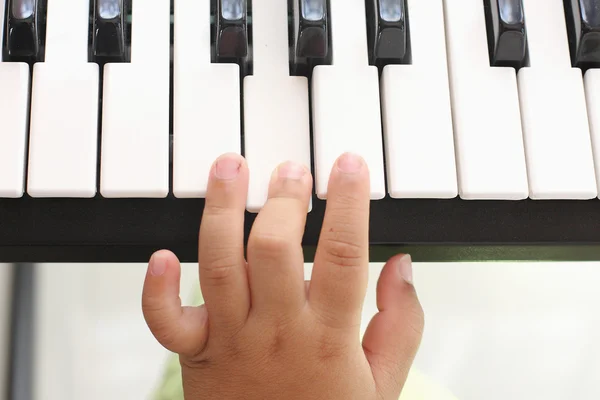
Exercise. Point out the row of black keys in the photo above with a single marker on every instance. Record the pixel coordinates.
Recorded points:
(310, 38)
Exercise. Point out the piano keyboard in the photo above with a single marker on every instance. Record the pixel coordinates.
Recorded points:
(479, 119)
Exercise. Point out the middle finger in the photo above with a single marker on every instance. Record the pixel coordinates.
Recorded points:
(275, 257)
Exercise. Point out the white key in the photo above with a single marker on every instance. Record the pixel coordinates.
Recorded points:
(592, 89)
(346, 104)
(206, 102)
(485, 104)
(276, 105)
(555, 120)
(417, 117)
(135, 114)
(64, 108)
(14, 113)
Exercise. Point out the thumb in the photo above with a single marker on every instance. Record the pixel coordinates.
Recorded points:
(394, 334)
(182, 330)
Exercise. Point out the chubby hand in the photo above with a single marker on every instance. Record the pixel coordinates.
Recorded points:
(265, 333)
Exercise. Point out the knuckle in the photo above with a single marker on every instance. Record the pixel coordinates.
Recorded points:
(158, 322)
(198, 362)
(219, 258)
(233, 347)
(164, 335)
(218, 275)
(284, 334)
(329, 347)
(275, 345)
(269, 243)
(219, 266)
(152, 306)
(332, 319)
(342, 249)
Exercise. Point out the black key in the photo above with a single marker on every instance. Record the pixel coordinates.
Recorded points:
(231, 42)
(23, 39)
(111, 39)
(583, 25)
(387, 31)
(507, 35)
(310, 40)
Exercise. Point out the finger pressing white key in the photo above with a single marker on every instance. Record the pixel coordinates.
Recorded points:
(276, 105)
(346, 102)
(206, 101)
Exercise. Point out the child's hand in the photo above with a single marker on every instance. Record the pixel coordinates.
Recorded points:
(266, 334)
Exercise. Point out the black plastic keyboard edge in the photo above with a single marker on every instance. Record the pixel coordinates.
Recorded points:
(129, 230)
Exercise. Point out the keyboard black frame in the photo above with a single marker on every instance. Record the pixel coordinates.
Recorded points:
(129, 230)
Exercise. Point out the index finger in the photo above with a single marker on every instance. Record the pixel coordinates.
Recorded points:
(340, 271)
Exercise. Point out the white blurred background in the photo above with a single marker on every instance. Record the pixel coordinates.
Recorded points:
(494, 331)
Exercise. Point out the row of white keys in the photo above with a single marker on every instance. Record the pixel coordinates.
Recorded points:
(485, 102)
(14, 115)
(276, 105)
(549, 157)
(417, 119)
(555, 120)
(64, 108)
(206, 102)
(346, 101)
(135, 115)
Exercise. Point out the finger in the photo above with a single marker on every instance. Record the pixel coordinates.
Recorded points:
(223, 276)
(393, 337)
(182, 330)
(340, 271)
(275, 257)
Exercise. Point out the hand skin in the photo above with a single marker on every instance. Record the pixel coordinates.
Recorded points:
(265, 333)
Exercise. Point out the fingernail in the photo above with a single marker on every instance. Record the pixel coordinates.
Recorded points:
(350, 163)
(405, 268)
(158, 265)
(227, 167)
(291, 170)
